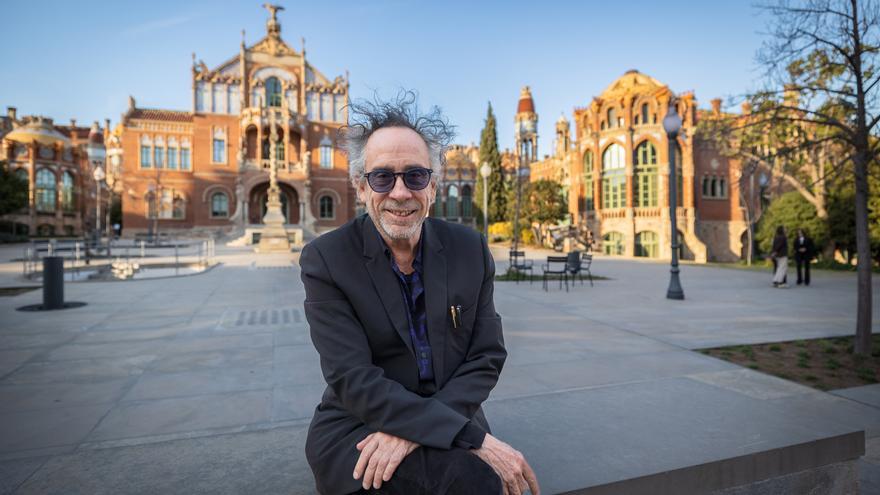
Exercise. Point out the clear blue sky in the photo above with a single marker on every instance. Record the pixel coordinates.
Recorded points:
(82, 59)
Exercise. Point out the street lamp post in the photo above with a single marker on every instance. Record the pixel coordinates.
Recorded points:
(521, 173)
(485, 170)
(672, 125)
(99, 176)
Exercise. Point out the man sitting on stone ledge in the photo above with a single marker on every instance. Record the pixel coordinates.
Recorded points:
(401, 311)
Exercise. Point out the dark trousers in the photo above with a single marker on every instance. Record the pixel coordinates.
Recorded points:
(429, 471)
(805, 263)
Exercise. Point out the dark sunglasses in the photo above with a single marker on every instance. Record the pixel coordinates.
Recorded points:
(415, 179)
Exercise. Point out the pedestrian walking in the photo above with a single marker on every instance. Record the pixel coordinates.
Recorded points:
(780, 257)
(803, 255)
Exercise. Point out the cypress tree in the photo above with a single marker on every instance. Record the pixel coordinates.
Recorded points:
(489, 154)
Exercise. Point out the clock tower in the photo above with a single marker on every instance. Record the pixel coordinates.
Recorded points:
(526, 128)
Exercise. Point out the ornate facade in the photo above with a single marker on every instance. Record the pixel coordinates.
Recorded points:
(57, 163)
(455, 191)
(208, 169)
(616, 175)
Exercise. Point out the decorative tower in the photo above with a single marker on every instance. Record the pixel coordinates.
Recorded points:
(526, 125)
(563, 136)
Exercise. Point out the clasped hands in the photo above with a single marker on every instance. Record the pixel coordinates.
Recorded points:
(382, 453)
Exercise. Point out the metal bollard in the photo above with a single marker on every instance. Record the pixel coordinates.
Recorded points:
(53, 282)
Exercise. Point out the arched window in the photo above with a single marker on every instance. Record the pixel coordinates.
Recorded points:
(612, 118)
(219, 205)
(613, 177)
(644, 113)
(45, 190)
(713, 187)
(645, 194)
(466, 201)
(706, 186)
(646, 244)
(613, 243)
(273, 92)
(722, 187)
(325, 209)
(67, 192)
(588, 181)
(452, 201)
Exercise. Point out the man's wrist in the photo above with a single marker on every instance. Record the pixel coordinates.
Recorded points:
(471, 436)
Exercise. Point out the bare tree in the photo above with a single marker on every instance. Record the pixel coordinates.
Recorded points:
(819, 115)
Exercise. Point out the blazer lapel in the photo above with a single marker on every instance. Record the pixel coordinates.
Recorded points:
(434, 263)
(385, 282)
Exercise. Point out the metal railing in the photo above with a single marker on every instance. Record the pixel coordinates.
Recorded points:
(85, 254)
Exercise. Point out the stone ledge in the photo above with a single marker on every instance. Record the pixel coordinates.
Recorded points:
(828, 462)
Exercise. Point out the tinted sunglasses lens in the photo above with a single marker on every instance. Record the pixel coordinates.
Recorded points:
(417, 179)
(381, 181)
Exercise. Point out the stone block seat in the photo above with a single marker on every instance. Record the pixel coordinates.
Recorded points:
(679, 436)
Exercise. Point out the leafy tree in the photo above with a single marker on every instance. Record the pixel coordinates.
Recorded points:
(841, 211)
(489, 154)
(13, 191)
(542, 202)
(792, 211)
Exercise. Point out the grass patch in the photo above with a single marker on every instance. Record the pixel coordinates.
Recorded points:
(825, 364)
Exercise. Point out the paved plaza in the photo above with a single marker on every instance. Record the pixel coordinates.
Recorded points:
(206, 383)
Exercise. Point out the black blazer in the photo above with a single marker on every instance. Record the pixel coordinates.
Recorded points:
(358, 324)
(808, 245)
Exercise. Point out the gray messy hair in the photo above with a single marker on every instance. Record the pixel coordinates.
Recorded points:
(368, 116)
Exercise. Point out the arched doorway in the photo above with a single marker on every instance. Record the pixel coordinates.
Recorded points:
(259, 196)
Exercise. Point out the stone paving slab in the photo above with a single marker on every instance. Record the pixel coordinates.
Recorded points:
(868, 394)
(204, 384)
(264, 462)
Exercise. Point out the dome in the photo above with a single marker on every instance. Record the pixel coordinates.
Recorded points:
(632, 81)
(38, 130)
(562, 119)
(526, 104)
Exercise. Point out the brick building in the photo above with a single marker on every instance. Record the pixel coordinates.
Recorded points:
(615, 171)
(207, 169)
(57, 162)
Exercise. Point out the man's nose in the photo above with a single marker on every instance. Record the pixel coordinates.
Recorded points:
(400, 191)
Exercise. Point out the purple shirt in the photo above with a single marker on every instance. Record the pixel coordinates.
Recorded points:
(413, 291)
